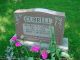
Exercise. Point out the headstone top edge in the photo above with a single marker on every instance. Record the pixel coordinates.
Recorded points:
(40, 10)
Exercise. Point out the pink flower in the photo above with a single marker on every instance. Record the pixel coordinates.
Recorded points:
(35, 48)
(17, 44)
(44, 54)
(14, 38)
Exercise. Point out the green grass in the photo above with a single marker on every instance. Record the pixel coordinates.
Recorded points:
(72, 22)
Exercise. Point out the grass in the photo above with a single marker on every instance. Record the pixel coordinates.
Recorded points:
(72, 22)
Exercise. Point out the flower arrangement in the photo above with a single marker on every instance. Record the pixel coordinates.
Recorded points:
(18, 50)
(34, 52)
(22, 52)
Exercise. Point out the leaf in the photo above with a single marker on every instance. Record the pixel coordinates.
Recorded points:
(30, 58)
(53, 58)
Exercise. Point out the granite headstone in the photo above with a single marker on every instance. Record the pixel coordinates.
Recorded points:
(34, 24)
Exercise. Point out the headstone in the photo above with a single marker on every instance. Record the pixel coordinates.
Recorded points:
(34, 24)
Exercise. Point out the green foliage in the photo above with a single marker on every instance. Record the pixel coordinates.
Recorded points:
(55, 51)
(72, 23)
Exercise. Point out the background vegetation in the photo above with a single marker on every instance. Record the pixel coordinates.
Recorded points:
(72, 22)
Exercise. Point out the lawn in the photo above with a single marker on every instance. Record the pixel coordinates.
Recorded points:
(72, 21)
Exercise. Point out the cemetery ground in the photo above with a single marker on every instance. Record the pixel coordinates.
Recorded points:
(71, 28)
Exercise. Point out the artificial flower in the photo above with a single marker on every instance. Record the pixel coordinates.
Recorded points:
(14, 38)
(44, 54)
(17, 44)
(35, 48)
